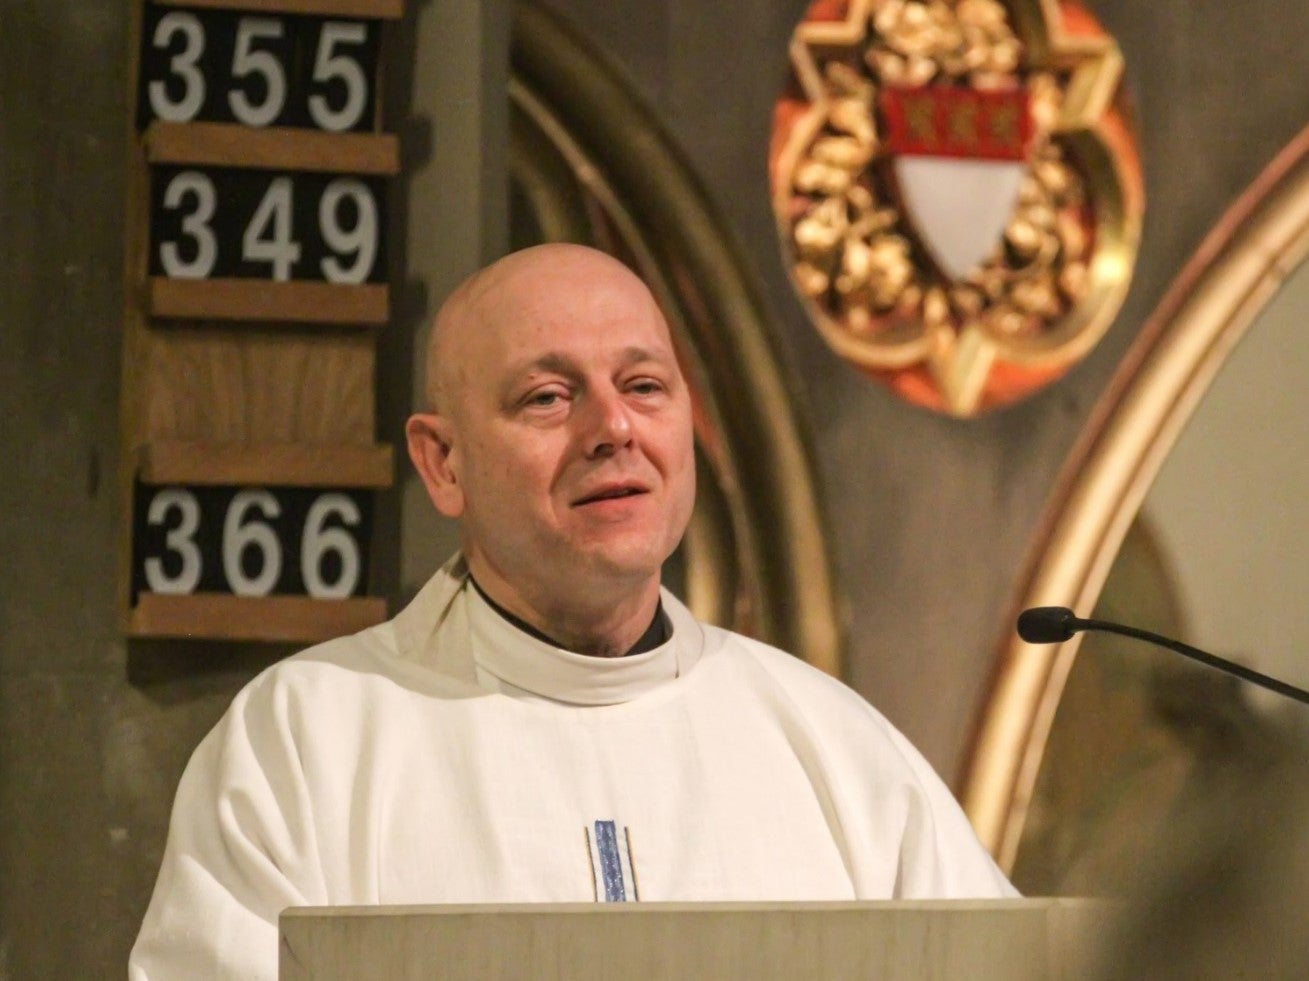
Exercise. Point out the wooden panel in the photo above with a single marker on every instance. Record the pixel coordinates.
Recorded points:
(223, 386)
(981, 940)
(366, 304)
(382, 9)
(281, 619)
(229, 145)
(274, 464)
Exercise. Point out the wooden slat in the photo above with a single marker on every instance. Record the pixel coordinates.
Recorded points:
(271, 465)
(273, 148)
(277, 619)
(209, 383)
(297, 302)
(380, 9)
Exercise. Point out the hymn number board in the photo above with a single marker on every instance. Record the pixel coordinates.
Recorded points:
(257, 269)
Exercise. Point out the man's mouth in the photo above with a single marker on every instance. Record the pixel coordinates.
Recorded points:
(610, 494)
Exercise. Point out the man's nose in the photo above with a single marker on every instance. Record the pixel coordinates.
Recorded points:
(608, 425)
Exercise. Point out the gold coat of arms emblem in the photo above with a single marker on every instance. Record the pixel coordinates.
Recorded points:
(957, 191)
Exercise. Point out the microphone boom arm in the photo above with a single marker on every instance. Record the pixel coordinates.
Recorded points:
(1212, 660)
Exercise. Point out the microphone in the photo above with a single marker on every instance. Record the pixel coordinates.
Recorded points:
(1046, 624)
(1055, 624)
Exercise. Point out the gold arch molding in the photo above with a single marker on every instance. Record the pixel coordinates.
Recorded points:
(589, 163)
(1240, 265)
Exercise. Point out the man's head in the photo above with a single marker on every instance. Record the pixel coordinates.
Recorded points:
(559, 430)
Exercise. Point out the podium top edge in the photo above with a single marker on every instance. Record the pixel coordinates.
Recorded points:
(701, 908)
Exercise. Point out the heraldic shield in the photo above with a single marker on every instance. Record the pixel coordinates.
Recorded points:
(959, 158)
(957, 192)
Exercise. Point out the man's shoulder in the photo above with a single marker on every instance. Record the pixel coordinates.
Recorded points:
(830, 710)
(813, 690)
(784, 666)
(340, 663)
(392, 651)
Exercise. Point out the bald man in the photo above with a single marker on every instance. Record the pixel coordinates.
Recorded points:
(545, 723)
(561, 440)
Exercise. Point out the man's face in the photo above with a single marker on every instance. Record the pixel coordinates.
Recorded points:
(571, 431)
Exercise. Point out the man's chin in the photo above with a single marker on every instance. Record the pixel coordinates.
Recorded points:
(622, 569)
(632, 564)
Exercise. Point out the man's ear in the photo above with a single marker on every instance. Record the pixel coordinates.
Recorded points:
(431, 448)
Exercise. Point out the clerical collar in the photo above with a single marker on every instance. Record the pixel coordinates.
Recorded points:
(656, 635)
(520, 663)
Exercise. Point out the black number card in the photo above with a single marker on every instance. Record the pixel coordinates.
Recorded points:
(227, 222)
(257, 69)
(250, 541)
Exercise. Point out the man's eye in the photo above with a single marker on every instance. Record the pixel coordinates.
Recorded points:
(543, 399)
(645, 386)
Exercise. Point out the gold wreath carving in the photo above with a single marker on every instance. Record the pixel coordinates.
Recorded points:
(1057, 277)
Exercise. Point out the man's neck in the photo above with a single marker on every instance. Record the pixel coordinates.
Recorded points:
(598, 628)
(657, 633)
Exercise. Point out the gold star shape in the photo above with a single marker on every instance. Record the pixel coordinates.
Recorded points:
(961, 361)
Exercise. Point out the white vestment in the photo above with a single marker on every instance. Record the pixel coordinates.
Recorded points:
(448, 757)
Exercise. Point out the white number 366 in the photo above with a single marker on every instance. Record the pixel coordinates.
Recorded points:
(247, 529)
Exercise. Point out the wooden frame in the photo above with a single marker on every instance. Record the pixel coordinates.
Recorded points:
(275, 619)
(295, 302)
(379, 9)
(278, 464)
(274, 148)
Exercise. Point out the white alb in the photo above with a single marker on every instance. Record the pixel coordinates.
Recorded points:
(447, 757)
